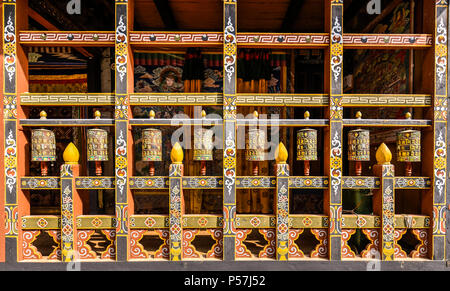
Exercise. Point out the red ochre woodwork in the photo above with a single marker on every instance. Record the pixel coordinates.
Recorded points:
(270, 248)
(84, 250)
(294, 250)
(346, 251)
(29, 251)
(321, 250)
(372, 250)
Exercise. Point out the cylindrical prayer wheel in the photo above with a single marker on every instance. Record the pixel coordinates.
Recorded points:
(408, 146)
(307, 145)
(359, 145)
(97, 140)
(255, 145)
(151, 145)
(43, 145)
(203, 144)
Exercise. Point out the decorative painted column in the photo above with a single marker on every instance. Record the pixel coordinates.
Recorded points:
(121, 129)
(282, 201)
(384, 204)
(336, 127)
(438, 241)
(10, 128)
(229, 126)
(176, 203)
(69, 169)
(14, 71)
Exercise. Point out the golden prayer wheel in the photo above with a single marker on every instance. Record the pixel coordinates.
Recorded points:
(97, 140)
(152, 145)
(43, 146)
(408, 147)
(97, 146)
(359, 146)
(203, 143)
(307, 145)
(255, 145)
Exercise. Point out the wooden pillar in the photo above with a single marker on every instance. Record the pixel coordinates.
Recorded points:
(333, 197)
(123, 62)
(447, 248)
(229, 126)
(438, 200)
(15, 71)
(384, 201)
(70, 203)
(282, 202)
(176, 203)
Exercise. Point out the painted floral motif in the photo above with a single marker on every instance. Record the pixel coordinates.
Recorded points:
(9, 48)
(336, 49)
(121, 48)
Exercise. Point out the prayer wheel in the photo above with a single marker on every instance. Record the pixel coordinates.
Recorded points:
(43, 146)
(152, 145)
(408, 147)
(359, 146)
(307, 146)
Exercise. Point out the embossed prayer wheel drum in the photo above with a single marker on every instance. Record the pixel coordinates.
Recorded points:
(408, 148)
(307, 147)
(203, 144)
(255, 145)
(151, 145)
(97, 140)
(43, 145)
(43, 148)
(359, 147)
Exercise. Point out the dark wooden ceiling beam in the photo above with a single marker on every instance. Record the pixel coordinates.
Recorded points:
(352, 10)
(45, 23)
(292, 13)
(166, 14)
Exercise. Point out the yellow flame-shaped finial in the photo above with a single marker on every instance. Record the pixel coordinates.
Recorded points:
(306, 115)
(281, 154)
(97, 114)
(408, 115)
(255, 114)
(383, 155)
(43, 114)
(176, 155)
(71, 154)
(203, 114)
(152, 114)
(358, 115)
